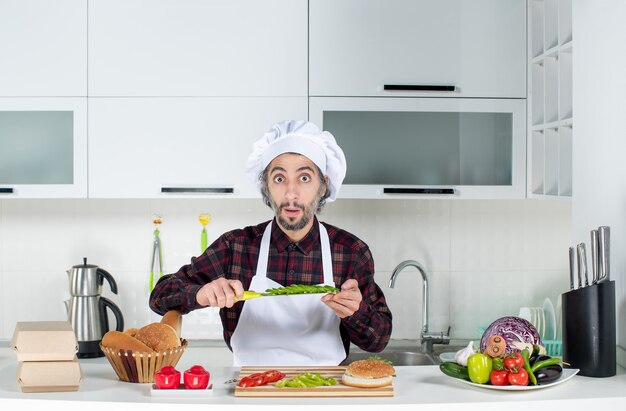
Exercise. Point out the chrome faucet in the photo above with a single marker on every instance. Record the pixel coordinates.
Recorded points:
(427, 338)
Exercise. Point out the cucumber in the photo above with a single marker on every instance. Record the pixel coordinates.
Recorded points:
(452, 369)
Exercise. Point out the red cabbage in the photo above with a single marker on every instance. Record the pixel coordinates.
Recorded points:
(512, 329)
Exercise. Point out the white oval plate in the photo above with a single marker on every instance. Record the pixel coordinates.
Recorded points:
(567, 374)
(447, 356)
(548, 310)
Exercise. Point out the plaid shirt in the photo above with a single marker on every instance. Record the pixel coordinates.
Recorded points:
(235, 254)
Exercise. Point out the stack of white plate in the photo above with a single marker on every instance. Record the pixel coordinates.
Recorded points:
(536, 316)
(544, 319)
(549, 332)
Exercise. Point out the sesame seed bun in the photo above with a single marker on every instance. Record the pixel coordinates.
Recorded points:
(158, 336)
(368, 374)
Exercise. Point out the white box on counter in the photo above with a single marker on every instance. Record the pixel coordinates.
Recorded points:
(49, 376)
(44, 341)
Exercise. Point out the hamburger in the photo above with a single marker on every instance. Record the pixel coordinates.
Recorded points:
(368, 374)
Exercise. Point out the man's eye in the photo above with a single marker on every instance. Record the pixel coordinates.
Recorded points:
(279, 179)
(305, 179)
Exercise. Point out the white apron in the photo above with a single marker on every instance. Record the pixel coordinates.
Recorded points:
(287, 330)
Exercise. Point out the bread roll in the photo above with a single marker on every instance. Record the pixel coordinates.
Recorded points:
(158, 336)
(119, 340)
(174, 319)
(131, 331)
(368, 374)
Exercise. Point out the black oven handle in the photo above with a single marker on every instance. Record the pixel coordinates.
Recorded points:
(392, 190)
(197, 190)
(419, 87)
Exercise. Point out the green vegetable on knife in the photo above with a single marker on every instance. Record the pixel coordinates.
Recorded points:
(293, 289)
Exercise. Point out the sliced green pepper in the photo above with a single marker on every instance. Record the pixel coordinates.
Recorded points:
(305, 380)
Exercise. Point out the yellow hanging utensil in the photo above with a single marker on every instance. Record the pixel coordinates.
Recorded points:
(205, 219)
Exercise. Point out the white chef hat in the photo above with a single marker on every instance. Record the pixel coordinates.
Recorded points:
(301, 137)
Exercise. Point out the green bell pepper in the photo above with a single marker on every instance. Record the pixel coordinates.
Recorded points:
(479, 368)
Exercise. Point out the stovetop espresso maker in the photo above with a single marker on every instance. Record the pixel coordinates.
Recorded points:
(87, 309)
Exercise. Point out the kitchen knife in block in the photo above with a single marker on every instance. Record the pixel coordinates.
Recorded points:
(604, 254)
(594, 256)
(572, 267)
(582, 265)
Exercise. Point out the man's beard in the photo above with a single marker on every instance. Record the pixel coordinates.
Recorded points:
(308, 211)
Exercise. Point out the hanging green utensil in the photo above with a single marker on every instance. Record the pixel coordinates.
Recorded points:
(156, 267)
(205, 219)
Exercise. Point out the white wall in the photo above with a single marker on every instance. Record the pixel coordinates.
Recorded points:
(485, 258)
(599, 190)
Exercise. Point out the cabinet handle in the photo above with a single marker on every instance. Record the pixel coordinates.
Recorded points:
(446, 191)
(196, 190)
(420, 87)
(6, 190)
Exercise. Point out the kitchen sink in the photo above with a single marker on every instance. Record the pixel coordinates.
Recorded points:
(396, 357)
(406, 352)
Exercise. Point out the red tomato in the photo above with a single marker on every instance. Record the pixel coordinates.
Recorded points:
(514, 362)
(253, 380)
(167, 378)
(518, 378)
(246, 382)
(258, 378)
(273, 376)
(196, 378)
(499, 377)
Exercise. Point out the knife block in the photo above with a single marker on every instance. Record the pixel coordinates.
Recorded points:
(589, 336)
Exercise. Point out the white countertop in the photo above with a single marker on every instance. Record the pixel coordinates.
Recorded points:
(425, 386)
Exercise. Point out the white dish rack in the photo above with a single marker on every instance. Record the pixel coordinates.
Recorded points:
(547, 321)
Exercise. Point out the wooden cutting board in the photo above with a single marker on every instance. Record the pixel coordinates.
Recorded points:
(338, 390)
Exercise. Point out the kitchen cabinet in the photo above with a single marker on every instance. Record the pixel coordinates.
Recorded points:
(478, 47)
(197, 48)
(43, 48)
(173, 147)
(551, 122)
(43, 147)
(428, 147)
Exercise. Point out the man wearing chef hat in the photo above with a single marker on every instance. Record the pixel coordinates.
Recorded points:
(297, 168)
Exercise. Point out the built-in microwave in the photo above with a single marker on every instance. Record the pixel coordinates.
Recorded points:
(428, 147)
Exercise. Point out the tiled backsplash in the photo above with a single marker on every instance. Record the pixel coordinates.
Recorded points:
(485, 259)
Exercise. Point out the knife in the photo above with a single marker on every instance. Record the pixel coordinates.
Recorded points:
(604, 253)
(582, 265)
(594, 256)
(572, 264)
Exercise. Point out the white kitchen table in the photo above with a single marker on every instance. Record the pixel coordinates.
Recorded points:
(422, 386)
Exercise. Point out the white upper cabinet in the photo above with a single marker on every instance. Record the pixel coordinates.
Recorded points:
(405, 148)
(197, 48)
(476, 47)
(177, 147)
(43, 147)
(43, 48)
(551, 121)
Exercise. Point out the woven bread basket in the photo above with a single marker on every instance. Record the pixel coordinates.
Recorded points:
(140, 367)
